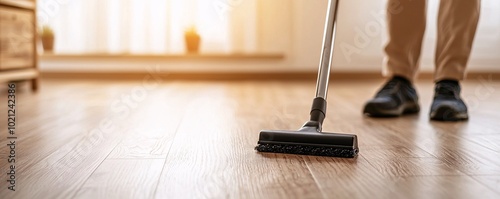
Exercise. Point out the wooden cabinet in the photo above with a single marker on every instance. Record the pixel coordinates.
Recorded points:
(18, 38)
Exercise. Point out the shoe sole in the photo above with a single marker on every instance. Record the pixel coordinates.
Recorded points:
(446, 113)
(373, 110)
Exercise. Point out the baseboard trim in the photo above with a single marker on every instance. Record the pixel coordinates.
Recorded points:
(240, 76)
(164, 57)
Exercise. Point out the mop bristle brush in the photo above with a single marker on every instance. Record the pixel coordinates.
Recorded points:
(310, 140)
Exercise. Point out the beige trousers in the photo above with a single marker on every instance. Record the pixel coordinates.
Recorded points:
(457, 23)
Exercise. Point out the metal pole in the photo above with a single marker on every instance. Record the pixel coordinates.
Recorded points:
(327, 51)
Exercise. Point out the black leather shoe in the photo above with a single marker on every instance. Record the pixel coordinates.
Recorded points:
(396, 98)
(447, 104)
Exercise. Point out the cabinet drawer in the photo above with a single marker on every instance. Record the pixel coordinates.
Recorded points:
(17, 38)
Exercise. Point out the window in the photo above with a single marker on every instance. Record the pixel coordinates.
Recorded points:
(148, 26)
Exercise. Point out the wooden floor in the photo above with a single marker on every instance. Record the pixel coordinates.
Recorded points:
(125, 139)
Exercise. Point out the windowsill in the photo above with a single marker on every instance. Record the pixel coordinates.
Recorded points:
(19, 4)
(211, 56)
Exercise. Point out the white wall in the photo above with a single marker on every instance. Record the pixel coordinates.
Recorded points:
(295, 28)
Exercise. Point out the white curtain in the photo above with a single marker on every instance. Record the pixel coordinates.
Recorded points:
(149, 26)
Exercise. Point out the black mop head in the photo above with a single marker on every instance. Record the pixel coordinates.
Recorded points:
(308, 143)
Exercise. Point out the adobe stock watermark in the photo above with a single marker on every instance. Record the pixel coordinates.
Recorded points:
(48, 9)
(372, 29)
(120, 109)
(224, 7)
(481, 93)
(12, 136)
(284, 116)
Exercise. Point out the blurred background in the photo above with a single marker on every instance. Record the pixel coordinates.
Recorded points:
(292, 29)
(224, 36)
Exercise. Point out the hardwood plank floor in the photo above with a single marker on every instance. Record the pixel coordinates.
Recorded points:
(129, 178)
(174, 139)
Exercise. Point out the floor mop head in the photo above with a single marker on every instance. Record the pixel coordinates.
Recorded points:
(308, 141)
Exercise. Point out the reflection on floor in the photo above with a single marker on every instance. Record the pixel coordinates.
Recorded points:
(119, 139)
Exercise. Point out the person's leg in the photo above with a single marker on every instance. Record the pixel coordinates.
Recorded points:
(406, 27)
(457, 24)
(406, 20)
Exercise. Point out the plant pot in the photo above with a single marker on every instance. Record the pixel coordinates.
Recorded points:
(192, 42)
(48, 43)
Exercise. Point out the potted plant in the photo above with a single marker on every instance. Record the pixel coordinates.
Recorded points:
(47, 39)
(192, 39)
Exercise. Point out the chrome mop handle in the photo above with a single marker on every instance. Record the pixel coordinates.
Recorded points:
(327, 51)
